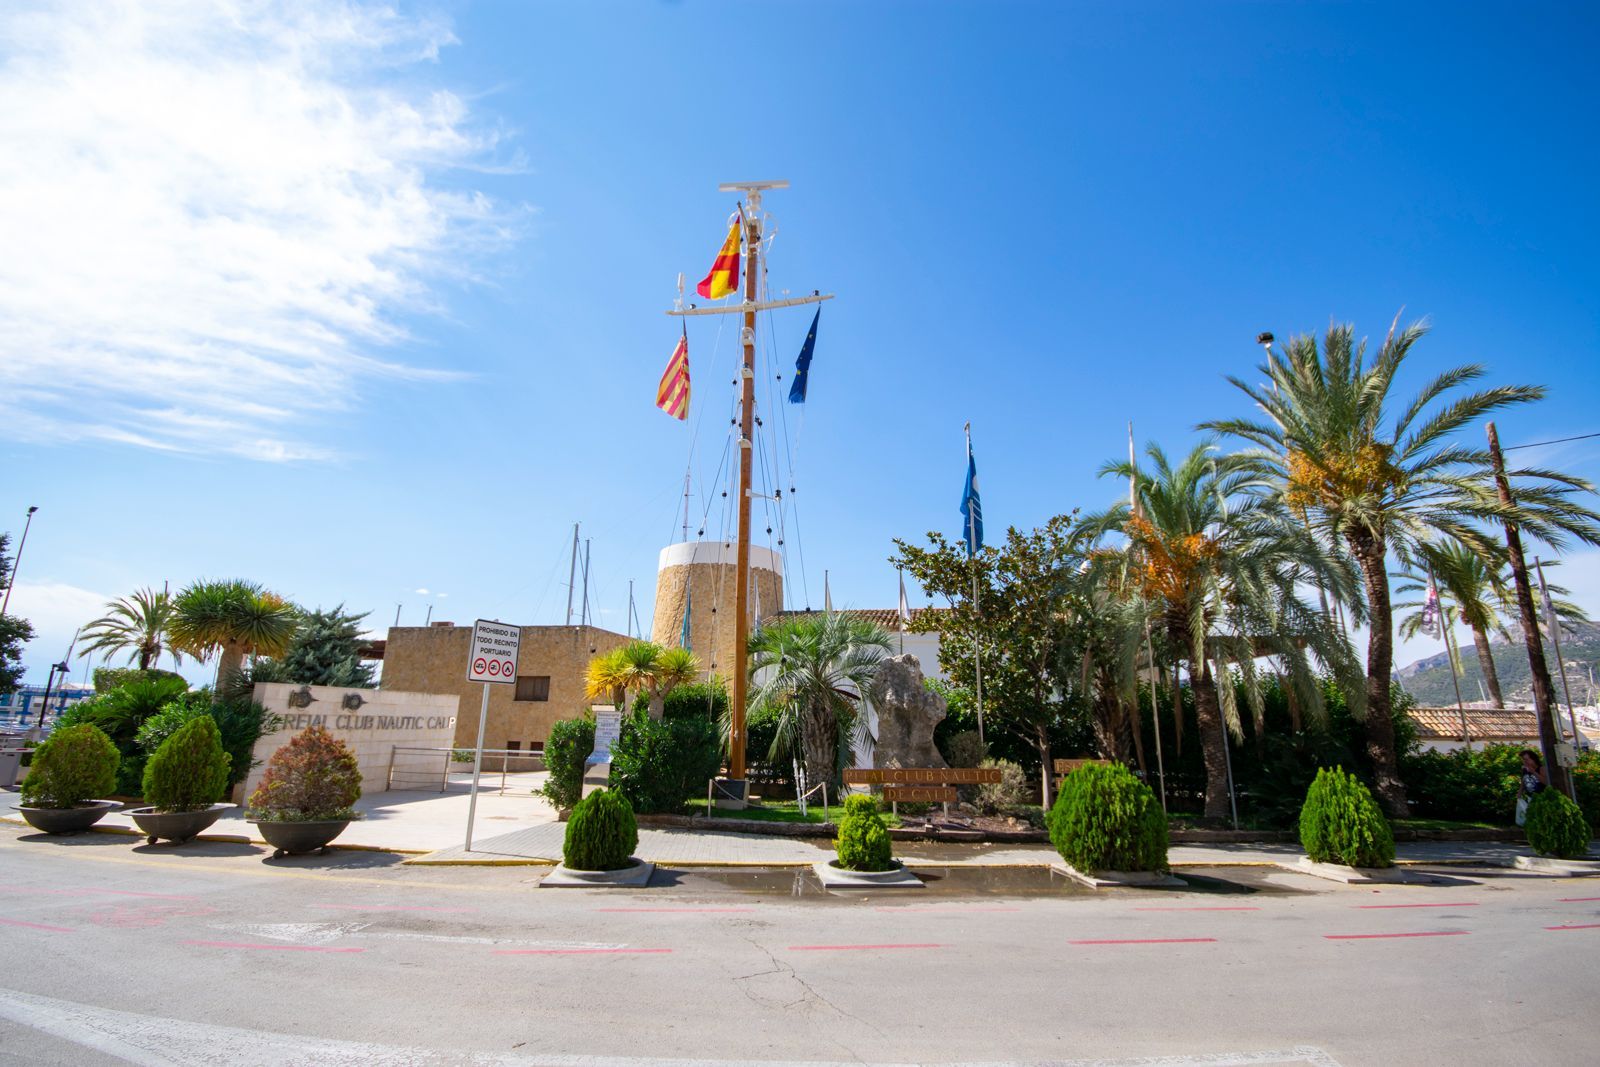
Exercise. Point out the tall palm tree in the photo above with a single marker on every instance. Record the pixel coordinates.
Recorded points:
(136, 625)
(1221, 572)
(814, 670)
(1324, 451)
(1479, 593)
(234, 617)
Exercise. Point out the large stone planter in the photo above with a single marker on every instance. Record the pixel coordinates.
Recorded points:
(833, 876)
(298, 838)
(175, 826)
(68, 820)
(634, 876)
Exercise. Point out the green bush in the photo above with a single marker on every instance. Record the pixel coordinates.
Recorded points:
(658, 765)
(121, 711)
(74, 765)
(109, 678)
(240, 724)
(1341, 823)
(964, 749)
(1105, 819)
(1476, 786)
(190, 770)
(1011, 791)
(1586, 779)
(1556, 826)
(696, 700)
(313, 778)
(569, 744)
(602, 833)
(863, 842)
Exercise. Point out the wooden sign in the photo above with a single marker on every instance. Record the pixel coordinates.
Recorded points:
(921, 775)
(920, 794)
(1067, 766)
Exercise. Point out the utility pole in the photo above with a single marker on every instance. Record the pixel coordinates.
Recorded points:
(1544, 696)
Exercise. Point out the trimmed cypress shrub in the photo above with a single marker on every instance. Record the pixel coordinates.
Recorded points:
(313, 778)
(602, 833)
(863, 842)
(190, 770)
(1556, 826)
(569, 744)
(1105, 819)
(76, 764)
(1341, 823)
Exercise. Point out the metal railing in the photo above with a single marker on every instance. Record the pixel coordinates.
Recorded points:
(420, 768)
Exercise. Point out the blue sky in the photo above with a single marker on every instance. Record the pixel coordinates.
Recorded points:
(360, 302)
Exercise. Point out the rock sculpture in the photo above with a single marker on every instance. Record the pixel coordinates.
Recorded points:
(907, 712)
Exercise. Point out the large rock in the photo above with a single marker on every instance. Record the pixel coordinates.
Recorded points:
(907, 713)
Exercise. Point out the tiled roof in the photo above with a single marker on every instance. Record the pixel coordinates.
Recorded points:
(888, 618)
(1484, 724)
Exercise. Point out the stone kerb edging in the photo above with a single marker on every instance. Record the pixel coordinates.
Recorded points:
(1120, 879)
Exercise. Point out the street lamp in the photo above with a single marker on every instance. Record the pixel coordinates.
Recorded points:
(44, 708)
(16, 560)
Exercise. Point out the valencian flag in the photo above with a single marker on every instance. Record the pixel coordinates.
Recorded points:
(971, 506)
(1432, 617)
(672, 395)
(802, 366)
(724, 276)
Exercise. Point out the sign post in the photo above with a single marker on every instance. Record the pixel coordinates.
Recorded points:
(607, 729)
(492, 661)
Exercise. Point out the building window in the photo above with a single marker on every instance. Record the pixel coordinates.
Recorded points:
(533, 687)
(513, 746)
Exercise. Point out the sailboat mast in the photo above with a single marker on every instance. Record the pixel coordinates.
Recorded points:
(747, 404)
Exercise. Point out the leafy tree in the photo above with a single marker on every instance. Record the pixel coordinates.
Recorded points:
(14, 632)
(1324, 451)
(326, 650)
(135, 624)
(813, 670)
(233, 617)
(644, 667)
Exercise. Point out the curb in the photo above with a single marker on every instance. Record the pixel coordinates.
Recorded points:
(229, 839)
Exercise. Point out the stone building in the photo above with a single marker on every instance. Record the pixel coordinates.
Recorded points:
(700, 576)
(551, 664)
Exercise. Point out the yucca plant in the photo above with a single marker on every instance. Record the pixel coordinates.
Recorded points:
(1331, 449)
(235, 617)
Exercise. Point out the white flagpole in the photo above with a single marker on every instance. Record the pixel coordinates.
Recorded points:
(972, 540)
(1149, 648)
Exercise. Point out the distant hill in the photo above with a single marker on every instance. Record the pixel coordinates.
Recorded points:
(1428, 679)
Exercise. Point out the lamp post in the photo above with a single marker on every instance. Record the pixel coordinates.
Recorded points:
(16, 561)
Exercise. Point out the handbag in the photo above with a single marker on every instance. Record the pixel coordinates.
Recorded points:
(1522, 810)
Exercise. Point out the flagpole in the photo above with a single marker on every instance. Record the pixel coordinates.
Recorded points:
(977, 605)
(1149, 648)
(901, 609)
(1450, 651)
(1555, 638)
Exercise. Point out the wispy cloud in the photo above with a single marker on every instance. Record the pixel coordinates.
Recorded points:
(217, 214)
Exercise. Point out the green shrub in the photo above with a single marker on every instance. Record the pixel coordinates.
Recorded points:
(1475, 786)
(863, 842)
(109, 678)
(569, 744)
(964, 749)
(658, 765)
(696, 700)
(1105, 819)
(602, 833)
(312, 778)
(166, 722)
(241, 722)
(1586, 779)
(190, 770)
(1556, 826)
(74, 765)
(1341, 823)
(1011, 791)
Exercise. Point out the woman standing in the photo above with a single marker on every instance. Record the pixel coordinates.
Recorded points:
(1529, 782)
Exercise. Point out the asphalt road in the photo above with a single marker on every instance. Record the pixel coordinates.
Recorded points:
(116, 952)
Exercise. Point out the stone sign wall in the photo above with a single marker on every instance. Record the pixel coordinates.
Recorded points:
(370, 721)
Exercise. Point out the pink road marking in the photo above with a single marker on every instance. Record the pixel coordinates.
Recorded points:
(1147, 941)
(956, 908)
(1577, 900)
(1576, 926)
(849, 948)
(670, 911)
(1197, 909)
(1369, 937)
(576, 951)
(271, 948)
(37, 926)
(94, 892)
(1459, 905)
(389, 907)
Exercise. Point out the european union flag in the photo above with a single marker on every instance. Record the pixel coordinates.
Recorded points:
(972, 507)
(802, 366)
(688, 608)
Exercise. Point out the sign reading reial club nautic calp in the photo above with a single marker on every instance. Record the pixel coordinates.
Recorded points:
(494, 652)
(921, 775)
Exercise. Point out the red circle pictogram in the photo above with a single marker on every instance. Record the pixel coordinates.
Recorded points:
(508, 668)
(479, 666)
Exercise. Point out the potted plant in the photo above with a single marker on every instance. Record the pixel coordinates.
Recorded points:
(865, 857)
(75, 765)
(182, 782)
(307, 795)
(598, 847)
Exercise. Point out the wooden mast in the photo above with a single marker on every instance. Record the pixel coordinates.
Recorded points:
(735, 790)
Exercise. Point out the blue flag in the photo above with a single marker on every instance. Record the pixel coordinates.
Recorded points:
(802, 366)
(972, 507)
(688, 606)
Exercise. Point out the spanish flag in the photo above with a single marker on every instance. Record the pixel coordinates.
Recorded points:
(672, 395)
(724, 276)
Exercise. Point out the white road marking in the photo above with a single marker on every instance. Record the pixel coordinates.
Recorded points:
(154, 1041)
(294, 933)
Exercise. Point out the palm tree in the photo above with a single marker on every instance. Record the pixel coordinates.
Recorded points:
(644, 666)
(1220, 572)
(136, 625)
(235, 617)
(1479, 592)
(1324, 452)
(813, 670)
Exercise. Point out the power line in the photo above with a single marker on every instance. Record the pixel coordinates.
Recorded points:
(1557, 441)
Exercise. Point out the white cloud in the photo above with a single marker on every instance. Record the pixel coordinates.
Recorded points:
(215, 214)
(420, 592)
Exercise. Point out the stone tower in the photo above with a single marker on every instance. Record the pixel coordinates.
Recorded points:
(710, 570)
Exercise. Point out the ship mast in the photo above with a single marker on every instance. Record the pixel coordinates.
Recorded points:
(735, 790)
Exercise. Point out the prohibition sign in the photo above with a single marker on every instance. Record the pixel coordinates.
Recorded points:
(479, 666)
